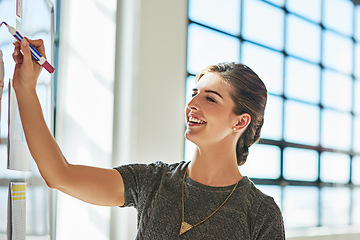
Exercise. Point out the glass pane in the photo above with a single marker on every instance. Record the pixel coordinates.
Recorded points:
(338, 16)
(3, 162)
(357, 59)
(37, 206)
(301, 123)
(273, 191)
(266, 156)
(300, 164)
(5, 173)
(227, 14)
(298, 41)
(44, 95)
(300, 206)
(302, 80)
(207, 47)
(356, 170)
(356, 145)
(356, 207)
(277, 2)
(189, 146)
(266, 63)
(357, 97)
(357, 23)
(4, 192)
(37, 16)
(336, 130)
(190, 84)
(337, 52)
(189, 150)
(7, 13)
(8, 50)
(334, 167)
(272, 127)
(310, 9)
(267, 30)
(4, 114)
(335, 206)
(337, 91)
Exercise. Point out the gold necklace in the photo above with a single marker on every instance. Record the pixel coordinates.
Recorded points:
(186, 226)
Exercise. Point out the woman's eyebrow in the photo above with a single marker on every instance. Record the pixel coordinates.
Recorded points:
(208, 91)
(211, 91)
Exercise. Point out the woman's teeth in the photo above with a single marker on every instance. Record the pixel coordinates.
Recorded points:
(196, 120)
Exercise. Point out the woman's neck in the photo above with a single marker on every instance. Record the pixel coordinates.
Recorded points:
(214, 167)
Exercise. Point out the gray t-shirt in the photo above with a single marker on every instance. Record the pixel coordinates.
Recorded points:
(155, 191)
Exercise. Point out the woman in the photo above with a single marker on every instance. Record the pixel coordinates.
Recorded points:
(206, 198)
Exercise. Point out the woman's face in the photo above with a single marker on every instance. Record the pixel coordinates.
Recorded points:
(209, 114)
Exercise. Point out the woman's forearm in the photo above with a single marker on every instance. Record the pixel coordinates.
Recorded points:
(42, 145)
(94, 185)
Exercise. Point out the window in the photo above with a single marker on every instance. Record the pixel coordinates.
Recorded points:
(307, 53)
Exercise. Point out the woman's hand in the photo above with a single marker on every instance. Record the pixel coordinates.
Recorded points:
(27, 70)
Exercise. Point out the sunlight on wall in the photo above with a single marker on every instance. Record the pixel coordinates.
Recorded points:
(85, 106)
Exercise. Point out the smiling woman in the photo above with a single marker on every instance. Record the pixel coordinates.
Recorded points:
(224, 118)
(206, 198)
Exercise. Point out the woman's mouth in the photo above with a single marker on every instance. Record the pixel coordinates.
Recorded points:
(195, 122)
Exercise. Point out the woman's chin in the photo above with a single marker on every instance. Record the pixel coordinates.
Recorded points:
(189, 137)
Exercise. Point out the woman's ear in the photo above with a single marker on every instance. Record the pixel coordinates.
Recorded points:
(243, 121)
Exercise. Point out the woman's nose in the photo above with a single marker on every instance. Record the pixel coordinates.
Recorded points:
(192, 104)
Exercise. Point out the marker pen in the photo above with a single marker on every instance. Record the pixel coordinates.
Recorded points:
(37, 56)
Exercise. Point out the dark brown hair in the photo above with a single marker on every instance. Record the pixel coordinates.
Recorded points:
(249, 95)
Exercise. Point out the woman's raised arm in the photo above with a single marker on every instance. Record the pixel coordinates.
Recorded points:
(90, 184)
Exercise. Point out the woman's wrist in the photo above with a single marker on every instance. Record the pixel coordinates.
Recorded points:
(21, 89)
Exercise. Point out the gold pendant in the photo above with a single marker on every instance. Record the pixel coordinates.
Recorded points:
(185, 227)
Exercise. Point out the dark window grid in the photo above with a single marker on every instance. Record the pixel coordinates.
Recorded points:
(281, 181)
(284, 52)
(320, 150)
(287, 11)
(242, 39)
(353, 115)
(282, 144)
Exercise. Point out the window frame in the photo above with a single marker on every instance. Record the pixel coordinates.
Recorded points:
(281, 181)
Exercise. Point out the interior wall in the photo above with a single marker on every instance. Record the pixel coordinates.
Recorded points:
(150, 86)
(110, 114)
(84, 114)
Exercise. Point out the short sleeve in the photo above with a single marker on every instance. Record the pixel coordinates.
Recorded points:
(269, 223)
(139, 180)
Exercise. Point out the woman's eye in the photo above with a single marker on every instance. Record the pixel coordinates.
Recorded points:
(210, 99)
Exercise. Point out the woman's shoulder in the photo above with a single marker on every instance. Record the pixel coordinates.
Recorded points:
(169, 166)
(255, 197)
(263, 212)
(154, 168)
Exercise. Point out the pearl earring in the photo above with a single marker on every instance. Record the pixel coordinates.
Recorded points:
(234, 128)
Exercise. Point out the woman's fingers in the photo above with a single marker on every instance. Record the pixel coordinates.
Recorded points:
(25, 48)
(38, 44)
(17, 55)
